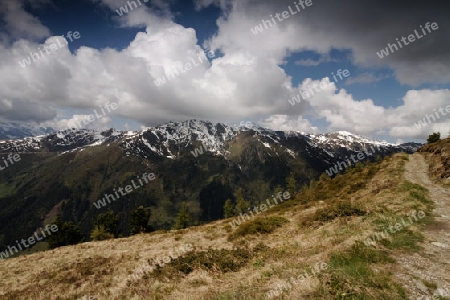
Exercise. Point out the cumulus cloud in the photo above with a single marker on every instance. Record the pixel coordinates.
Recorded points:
(245, 82)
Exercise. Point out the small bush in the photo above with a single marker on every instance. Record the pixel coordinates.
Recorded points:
(258, 225)
(223, 261)
(433, 138)
(100, 233)
(333, 211)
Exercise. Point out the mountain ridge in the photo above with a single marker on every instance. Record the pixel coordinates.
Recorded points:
(172, 134)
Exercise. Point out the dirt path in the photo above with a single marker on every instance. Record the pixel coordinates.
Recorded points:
(433, 263)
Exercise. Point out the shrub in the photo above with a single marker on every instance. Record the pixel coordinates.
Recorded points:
(258, 225)
(108, 221)
(139, 220)
(432, 138)
(100, 233)
(333, 211)
(68, 234)
(217, 260)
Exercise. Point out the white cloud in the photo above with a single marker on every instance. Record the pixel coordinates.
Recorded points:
(288, 123)
(80, 122)
(246, 82)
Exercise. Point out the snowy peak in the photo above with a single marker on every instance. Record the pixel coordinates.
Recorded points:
(175, 139)
(347, 140)
(170, 139)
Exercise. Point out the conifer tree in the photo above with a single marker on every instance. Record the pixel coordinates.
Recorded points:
(228, 210)
(241, 205)
(182, 220)
(291, 184)
(139, 220)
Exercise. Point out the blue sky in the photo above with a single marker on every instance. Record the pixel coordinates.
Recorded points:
(252, 76)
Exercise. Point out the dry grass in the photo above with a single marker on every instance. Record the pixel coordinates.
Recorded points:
(325, 224)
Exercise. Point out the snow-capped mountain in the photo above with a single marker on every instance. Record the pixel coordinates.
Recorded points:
(175, 139)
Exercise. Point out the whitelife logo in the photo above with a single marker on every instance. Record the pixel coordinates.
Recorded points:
(360, 156)
(284, 15)
(53, 47)
(317, 87)
(128, 189)
(92, 118)
(11, 158)
(76, 125)
(263, 207)
(411, 38)
(371, 241)
(124, 9)
(31, 240)
(424, 123)
(172, 74)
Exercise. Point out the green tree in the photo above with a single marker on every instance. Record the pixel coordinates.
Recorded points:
(100, 233)
(291, 184)
(228, 210)
(433, 138)
(68, 234)
(182, 219)
(108, 221)
(241, 205)
(139, 220)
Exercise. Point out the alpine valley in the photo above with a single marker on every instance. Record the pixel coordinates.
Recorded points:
(196, 162)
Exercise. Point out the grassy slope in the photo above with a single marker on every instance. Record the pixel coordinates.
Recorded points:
(325, 225)
(438, 154)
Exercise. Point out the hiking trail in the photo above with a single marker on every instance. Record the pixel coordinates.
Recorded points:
(433, 262)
